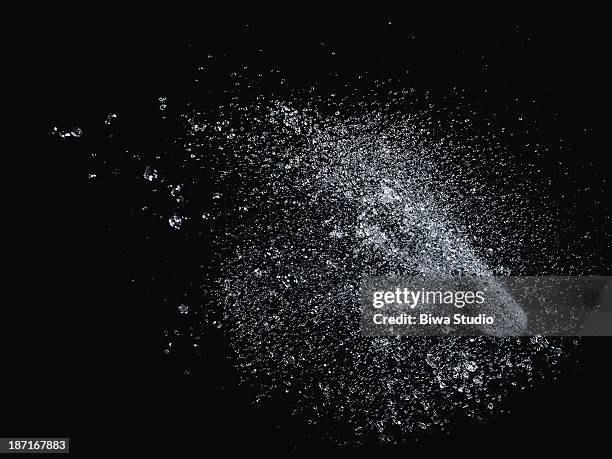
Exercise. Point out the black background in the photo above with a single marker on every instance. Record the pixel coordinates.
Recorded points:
(89, 363)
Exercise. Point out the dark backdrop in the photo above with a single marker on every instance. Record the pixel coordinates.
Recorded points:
(98, 275)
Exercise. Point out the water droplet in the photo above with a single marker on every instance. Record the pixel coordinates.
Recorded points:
(176, 221)
(150, 174)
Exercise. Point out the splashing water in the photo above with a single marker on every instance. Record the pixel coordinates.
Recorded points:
(306, 202)
(337, 200)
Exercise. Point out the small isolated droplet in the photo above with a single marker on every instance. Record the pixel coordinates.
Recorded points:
(183, 309)
(150, 174)
(175, 221)
(76, 132)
